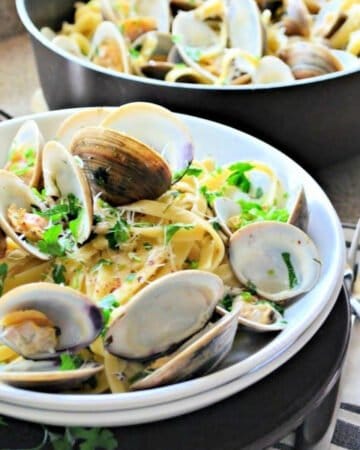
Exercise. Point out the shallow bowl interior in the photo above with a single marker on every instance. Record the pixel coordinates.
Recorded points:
(225, 145)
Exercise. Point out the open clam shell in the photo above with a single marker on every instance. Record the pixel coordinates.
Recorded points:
(122, 168)
(77, 320)
(152, 51)
(245, 28)
(276, 260)
(256, 314)
(272, 70)
(164, 314)
(172, 139)
(85, 118)
(62, 177)
(297, 20)
(198, 356)
(199, 41)
(108, 48)
(24, 158)
(46, 375)
(13, 191)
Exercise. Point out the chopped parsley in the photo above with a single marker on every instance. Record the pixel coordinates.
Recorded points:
(134, 53)
(171, 229)
(58, 274)
(192, 263)
(209, 195)
(140, 375)
(70, 362)
(102, 263)
(176, 38)
(238, 176)
(50, 243)
(293, 281)
(215, 224)
(194, 171)
(3, 275)
(147, 246)
(227, 302)
(41, 195)
(107, 305)
(254, 212)
(193, 53)
(117, 234)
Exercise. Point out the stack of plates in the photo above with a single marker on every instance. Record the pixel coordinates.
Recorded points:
(253, 355)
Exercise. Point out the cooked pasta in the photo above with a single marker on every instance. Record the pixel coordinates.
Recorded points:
(215, 41)
(133, 245)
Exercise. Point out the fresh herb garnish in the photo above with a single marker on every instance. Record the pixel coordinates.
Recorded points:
(209, 195)
(102, 263)
(147, 246)
(215, 224)
(171, 229)
(107, 305)
(254, 212)
(259, 192)
(193, 53)
(117, 234)
(194, 171)
(58, 273)
(70, 362)
(134, 53)
(192, 263)
(252, 287)
(227, 302)
(3, 275)
(176, 38)
(50, 243)
(293, 281)
(238, 176)
(140, 375)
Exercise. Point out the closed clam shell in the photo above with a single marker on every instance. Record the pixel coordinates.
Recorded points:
(119, 166)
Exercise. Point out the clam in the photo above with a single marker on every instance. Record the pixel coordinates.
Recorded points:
(347, 60)
(172, 138)
(24, 157)
(151, 52)
(46, 375)
(140, 154)
(42, 320)
(117, 165)
(272, 70)
(108, 48)
(297, 20)
(201, 38)
(226, 209)
(276, 260)
(90, 117)
(254, 313)
(167, 326)
(63, 179)
(184, 74)
(157, 10)
(164, 314)
(245, 28)
(13, 191)
(198, 356)
(68, 45)
(237, 67)
(307, 59)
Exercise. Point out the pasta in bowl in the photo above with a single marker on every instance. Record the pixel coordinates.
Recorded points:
(137, 256)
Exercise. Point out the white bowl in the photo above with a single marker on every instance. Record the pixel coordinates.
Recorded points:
(225, 145)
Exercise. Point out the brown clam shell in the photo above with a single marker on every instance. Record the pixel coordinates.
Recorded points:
(307, 59)
(119, 166)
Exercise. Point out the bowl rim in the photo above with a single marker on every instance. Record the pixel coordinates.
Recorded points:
(35, 32)
(161, 395)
